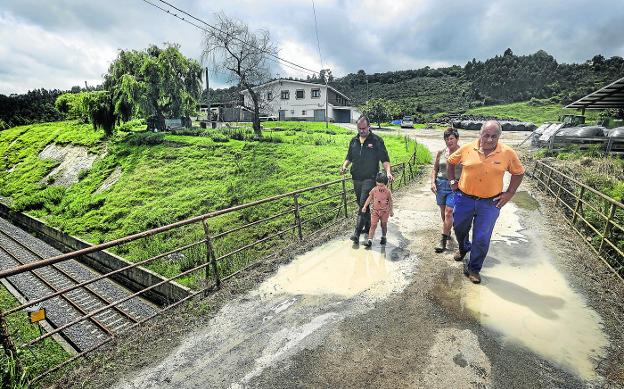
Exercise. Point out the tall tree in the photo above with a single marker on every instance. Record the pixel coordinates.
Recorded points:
(379, 110)
(244, 54)
(154, 83)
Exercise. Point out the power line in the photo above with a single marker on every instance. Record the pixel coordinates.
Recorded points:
(318, 45)
(284, 62)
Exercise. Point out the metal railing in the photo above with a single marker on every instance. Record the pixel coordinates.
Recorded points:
(596, 217)
(202, 251)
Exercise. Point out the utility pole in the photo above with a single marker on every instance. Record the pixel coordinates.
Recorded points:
(326, 77)
(209, 112)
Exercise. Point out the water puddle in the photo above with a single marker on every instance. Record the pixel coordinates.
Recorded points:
(339, 268)
(523, 200)
(527, 299)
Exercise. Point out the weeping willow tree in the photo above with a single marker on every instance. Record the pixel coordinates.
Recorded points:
(154, 84)
(99, 105)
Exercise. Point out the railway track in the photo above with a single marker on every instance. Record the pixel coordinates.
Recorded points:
(17, 247)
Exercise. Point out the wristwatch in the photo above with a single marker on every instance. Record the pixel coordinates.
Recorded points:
(453, 182)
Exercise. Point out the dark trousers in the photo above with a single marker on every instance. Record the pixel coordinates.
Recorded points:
(361, 189)
(481, 215)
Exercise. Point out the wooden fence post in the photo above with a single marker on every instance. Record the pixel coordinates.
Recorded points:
(560, 184)
(297, 216)
(607, 228)
(548, 179)
(211, 257)
(344, 196)
(578, 205)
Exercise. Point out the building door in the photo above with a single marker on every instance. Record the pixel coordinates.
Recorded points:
(282, 114)
(319, 115)
(342, 115)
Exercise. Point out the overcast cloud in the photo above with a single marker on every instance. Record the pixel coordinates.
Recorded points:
(61, 43)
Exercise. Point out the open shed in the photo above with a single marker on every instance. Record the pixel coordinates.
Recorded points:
(610, 96)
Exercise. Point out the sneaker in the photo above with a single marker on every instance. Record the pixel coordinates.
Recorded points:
(368, 243)
(475, 278)
(355, 239)
(383, 240)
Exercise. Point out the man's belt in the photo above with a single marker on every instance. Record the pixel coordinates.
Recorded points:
(479, 198)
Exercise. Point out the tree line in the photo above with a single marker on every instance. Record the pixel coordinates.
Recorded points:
(160, 82)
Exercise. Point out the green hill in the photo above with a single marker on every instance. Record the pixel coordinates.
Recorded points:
(530, 112)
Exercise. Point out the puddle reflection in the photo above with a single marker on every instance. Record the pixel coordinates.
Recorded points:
(528, 300)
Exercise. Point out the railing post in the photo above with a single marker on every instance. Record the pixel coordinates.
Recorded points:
(9, 349)
(210, 256)
(578, 204)
(607, 228)
(560, 183)
(548, 180)
(297, 216)
(344, 196)
(411, 171)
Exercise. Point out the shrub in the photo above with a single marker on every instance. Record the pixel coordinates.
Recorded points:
(145, 139)
(133, 125)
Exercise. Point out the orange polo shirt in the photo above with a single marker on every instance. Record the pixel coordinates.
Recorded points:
(483, 176)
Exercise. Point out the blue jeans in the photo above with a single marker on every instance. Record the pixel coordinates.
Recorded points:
(480, 214)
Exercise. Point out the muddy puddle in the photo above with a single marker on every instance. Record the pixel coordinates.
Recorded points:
(526, 299)
(342, 269)
(524, 200)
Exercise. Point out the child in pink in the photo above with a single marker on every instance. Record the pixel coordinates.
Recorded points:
(380, 200)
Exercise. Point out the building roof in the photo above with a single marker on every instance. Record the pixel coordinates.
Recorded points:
(610, 96)
(299, 82)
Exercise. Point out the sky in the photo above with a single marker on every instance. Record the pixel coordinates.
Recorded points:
(61, 43)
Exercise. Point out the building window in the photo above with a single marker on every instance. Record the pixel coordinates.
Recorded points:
(303, 112)
(269, 96)
(316, 93)
(285, 95)
(292, 111)
(300, 94)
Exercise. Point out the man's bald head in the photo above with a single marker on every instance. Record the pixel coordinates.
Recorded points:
(489, 134)
(492, 124)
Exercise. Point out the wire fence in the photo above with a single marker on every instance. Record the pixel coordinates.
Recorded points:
(201, 252)
(596, 217)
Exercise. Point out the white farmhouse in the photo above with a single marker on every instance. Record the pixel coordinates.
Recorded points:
(299, 100)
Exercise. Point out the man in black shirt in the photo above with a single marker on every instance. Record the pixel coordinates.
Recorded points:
(366, 150)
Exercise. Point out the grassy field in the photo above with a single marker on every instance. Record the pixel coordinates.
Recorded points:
(525, 112)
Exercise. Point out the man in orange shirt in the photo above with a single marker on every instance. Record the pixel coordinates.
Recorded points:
(480, 195)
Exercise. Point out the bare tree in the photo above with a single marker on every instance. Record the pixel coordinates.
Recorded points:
(244, 54)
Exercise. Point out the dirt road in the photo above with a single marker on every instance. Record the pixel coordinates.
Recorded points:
(403, 316)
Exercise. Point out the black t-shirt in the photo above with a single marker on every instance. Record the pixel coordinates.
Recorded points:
(365, 157)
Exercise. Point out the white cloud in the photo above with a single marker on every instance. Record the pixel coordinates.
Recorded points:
(62, 43)
(34, 57)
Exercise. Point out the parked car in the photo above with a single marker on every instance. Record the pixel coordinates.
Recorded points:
(269, 118)
(407, 122)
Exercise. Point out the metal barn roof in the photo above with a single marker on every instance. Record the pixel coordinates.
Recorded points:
(610, 96)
